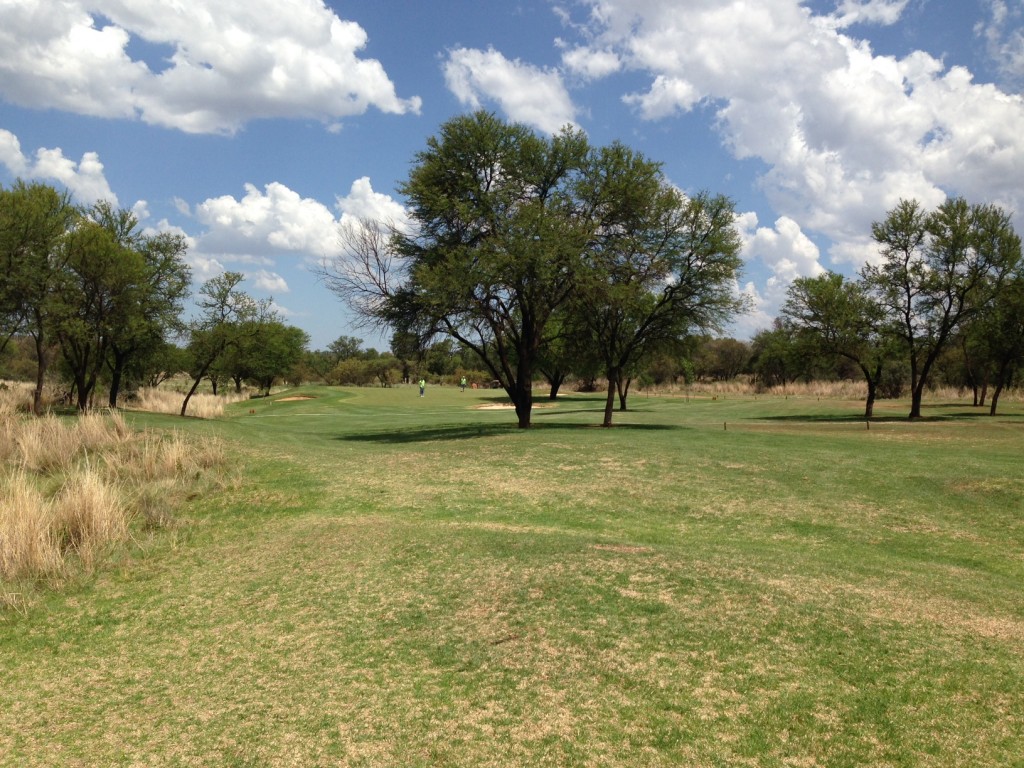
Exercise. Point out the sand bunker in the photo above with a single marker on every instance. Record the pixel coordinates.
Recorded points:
(296, 397)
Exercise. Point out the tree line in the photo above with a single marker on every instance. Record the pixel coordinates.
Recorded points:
(90, 291)
(550, 256)
(526, 256)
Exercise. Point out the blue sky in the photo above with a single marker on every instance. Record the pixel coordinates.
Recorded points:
(255, 127)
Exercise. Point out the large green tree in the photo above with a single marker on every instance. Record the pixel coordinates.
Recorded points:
(997, 338)
(35, 220)
(659, 264)
(153, 314)
(938, 270)
(496, 244)
(98, 297)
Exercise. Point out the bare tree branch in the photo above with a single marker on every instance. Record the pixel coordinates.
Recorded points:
(367, 271)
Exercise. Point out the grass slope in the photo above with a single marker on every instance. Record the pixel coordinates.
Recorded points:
(395, 580)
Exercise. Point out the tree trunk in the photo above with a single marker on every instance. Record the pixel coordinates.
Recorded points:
(995, 398)
(916, 395)
(609, 404)
(1004, 378)
(522, 397)
(984, 392)
(195, 386)
(623, 392)
(41, 363)
(524, 405)
(872, 381)
(84, 391)
(116, 372)
(556, 380)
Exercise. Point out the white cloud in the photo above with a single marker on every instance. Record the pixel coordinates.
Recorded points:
(141, 210)
(266, 223)
(85, 179)
(363, 203)
(869, 11)
(269, 282)
(223, 63)
(844, 133)
(757, 318)
(525, 93)
(591, 63)
(784, 250)
(667, 96)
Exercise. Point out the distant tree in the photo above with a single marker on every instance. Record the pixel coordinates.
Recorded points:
(776, 359)
(722, 359)
(266, 349)
(224, 312)
(158, 363)
(407, 348)
(938, 269)
(441, 357)
(345, 347)
(386, 368)
(999, 337)
(836, 316)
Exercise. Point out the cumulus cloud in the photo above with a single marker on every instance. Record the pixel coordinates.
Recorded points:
(275, 221)
(784, 251)
(525, 93)
(264, 223)
(217, 66)
(84, 179)
(844, 132)
(362, 202)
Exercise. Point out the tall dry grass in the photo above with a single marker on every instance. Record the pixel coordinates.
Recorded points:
(72, 489)
(838, 390)
(201, 405)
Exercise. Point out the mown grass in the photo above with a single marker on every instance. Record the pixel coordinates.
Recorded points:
(406, 581)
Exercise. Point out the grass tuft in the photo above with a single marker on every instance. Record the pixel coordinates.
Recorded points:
(28, 546)
(71, 489)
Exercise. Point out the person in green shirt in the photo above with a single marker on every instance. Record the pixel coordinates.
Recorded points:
(463, 383)
(423, 386)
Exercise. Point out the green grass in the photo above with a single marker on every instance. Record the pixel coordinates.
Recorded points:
(392, 580)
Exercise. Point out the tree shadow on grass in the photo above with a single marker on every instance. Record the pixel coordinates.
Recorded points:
(832, 418)
(449, 432)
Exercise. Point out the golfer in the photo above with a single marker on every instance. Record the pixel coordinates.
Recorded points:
(423, 386)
